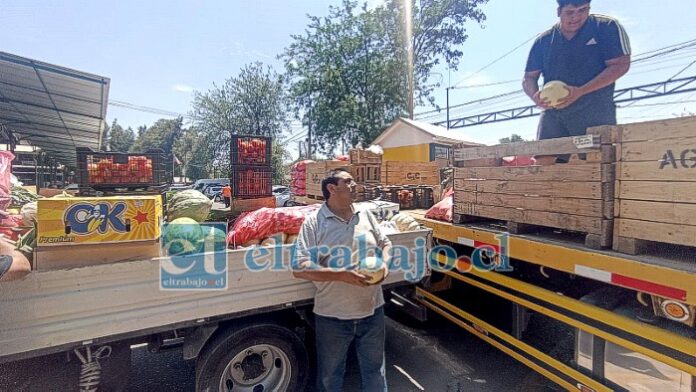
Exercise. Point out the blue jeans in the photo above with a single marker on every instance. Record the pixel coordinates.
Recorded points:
(334, 337)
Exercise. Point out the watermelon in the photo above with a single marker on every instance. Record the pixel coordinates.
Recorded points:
(189, 204)
(213, 239)
(182, 236)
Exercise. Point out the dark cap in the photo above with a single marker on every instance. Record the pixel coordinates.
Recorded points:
(563, 3)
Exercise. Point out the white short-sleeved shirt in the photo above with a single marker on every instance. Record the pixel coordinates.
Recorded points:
(337, 236)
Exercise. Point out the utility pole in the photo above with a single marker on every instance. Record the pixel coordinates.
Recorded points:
(448, 90)
(309, 131)
(408, 20)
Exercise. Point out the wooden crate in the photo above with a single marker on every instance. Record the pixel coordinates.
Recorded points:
(656, 185)
(366, 173)
(575, 196)
(316, 172)
(410, 173)
(364, 157)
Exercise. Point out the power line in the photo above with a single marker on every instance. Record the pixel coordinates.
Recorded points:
(146, 109)
(496, 60)
(683, 69)
(645, 105)
(648, 58)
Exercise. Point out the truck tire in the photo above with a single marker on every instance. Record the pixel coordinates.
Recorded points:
(255, 358)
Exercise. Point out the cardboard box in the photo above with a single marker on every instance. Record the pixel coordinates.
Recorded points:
(98, 220)
(68, 256)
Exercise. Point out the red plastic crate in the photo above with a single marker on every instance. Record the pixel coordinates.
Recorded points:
(104, 170)
(250, 182)
(250, 150)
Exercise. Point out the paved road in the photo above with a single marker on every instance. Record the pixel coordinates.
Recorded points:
(439, 357)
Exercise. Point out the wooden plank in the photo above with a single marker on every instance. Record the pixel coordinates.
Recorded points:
(656, 171)
(584, 207)
(358, 156)
(678, 192)
(608, 133)
(583, 224)
(675, 213)
(410, 173)
(580, 190)
(565, 145)
(589, 172)
(683, 149)
(656, 231)
(485, 162)
(662, 129)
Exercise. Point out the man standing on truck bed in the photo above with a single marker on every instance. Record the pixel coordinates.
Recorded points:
(346, 308)
(586, 52)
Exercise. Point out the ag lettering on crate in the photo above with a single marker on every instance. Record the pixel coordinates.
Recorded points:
(656, 185)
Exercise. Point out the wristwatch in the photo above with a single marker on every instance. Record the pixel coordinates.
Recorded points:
(5, 264)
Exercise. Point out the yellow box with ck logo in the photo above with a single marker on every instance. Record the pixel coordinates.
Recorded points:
(98, 220)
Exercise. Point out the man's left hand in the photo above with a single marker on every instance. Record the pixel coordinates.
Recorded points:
(575, 93)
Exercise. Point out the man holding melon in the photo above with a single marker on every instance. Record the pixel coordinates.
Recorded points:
(581, 57)
(337, 249)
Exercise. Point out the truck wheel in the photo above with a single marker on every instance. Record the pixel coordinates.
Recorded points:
(257, 358)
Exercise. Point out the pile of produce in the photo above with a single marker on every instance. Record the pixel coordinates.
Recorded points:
(189, 203)
(252, 151)
(6, 158)
(252, 182)
(184, 236)
(405, 223)
(443, 210)
(298, 176)
(138, 170)
(278, 224)
(405, 198)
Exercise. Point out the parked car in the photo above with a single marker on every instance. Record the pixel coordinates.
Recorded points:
(179, 187)
(200, 185)
(283, 196)
(214, 192)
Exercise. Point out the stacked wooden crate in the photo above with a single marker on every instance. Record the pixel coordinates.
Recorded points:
(576, 196)
(410, 173)
(316, 172)
(365, 166)
(656, 184)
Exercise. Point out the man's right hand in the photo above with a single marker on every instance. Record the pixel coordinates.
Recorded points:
(354, 278)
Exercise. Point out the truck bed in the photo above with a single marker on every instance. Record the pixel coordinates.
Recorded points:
(48, 311)
(670, 274)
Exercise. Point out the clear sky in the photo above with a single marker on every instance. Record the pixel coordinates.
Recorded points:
(157, 52)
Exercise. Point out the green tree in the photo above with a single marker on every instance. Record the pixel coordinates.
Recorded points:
(162, 134)
(511, 139)
(120, 139)
(252, 103)
(183, 150)
(105, 137)
(349, 70)
(280, 163)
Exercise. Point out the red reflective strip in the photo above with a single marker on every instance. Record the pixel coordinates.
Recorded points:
(648, 287)
(478, 244)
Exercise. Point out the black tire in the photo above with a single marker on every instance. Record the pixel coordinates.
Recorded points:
(219, 353)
